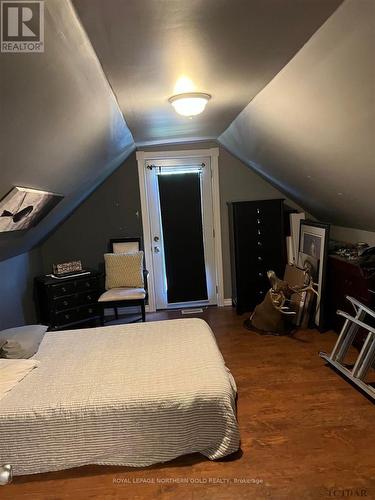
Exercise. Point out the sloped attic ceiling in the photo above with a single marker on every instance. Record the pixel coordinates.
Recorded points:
(311, 131)
(61, 129)
(228, 48)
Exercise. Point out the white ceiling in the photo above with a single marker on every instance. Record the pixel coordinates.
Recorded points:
(228, 48)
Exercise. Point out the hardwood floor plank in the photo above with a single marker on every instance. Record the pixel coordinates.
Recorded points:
(305, 432)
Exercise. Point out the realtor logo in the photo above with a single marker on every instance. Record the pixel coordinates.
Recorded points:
(22, 26)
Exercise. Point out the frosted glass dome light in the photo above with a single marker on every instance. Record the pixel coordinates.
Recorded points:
(189, 104)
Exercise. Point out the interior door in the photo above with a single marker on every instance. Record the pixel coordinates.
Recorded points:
(181, 221)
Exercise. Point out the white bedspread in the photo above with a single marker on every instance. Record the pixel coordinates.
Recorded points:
(123, 395)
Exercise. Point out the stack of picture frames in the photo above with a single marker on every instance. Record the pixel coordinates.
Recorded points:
(312, 256)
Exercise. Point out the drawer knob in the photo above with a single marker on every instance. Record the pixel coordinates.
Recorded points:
(259, 243)
(258, 210)
(67, 316)
(65, 302)
(63, 289)
(258, 221)
(89, 297)
(260, 258)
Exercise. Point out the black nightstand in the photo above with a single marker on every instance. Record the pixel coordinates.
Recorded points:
(64, 303)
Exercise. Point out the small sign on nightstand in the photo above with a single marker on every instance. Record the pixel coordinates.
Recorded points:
(75, 266)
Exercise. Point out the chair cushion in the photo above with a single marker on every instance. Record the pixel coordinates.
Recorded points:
(117, 294)
(123, 270)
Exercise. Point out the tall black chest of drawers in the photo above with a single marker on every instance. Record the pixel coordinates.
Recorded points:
(257, 244)
(64, 303)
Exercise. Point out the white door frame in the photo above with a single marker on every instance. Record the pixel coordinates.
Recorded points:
(159, 266)
(144, 157)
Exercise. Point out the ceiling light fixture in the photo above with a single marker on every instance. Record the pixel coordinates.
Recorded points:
(189, 103)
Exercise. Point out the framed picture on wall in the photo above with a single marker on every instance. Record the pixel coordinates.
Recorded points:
(23, 208)
(312, 255)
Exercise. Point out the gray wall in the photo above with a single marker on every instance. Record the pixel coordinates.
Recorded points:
(311, 129)
(114, 210)
(238, 183)
(61, 129)
(16, 288)
(352, 235)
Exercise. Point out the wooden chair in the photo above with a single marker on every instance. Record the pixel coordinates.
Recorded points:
(124, 296)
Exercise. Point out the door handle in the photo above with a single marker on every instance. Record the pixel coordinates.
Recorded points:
(156, 238)
(156, 249)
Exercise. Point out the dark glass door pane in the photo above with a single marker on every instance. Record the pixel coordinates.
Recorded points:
(181, 215)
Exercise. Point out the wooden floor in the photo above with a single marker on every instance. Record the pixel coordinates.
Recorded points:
(306, 433)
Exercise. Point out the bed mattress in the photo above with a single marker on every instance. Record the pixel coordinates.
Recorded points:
(129, 395)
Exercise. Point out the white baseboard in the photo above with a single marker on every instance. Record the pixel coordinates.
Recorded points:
(136, 310)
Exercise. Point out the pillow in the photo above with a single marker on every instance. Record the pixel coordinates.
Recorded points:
(123, 270)
(13, 371)
(125, 247)
(21, 342)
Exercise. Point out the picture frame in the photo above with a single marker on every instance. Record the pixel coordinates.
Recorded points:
(22, 208)
(313, 254)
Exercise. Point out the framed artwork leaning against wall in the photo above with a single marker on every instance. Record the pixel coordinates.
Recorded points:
(312, 254)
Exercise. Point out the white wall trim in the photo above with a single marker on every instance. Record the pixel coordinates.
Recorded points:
(213, 153)
(190, 153)
(147, 245)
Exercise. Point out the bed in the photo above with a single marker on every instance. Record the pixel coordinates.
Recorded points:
(131, 395)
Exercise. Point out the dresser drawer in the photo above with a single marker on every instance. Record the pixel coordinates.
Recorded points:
(76, 314)
(76, 300)
(62, 289)
(259, 294)
(66, 317)
(88, 297)
(88, 311)
(67, 302)
(87, 284)
(260, 275)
